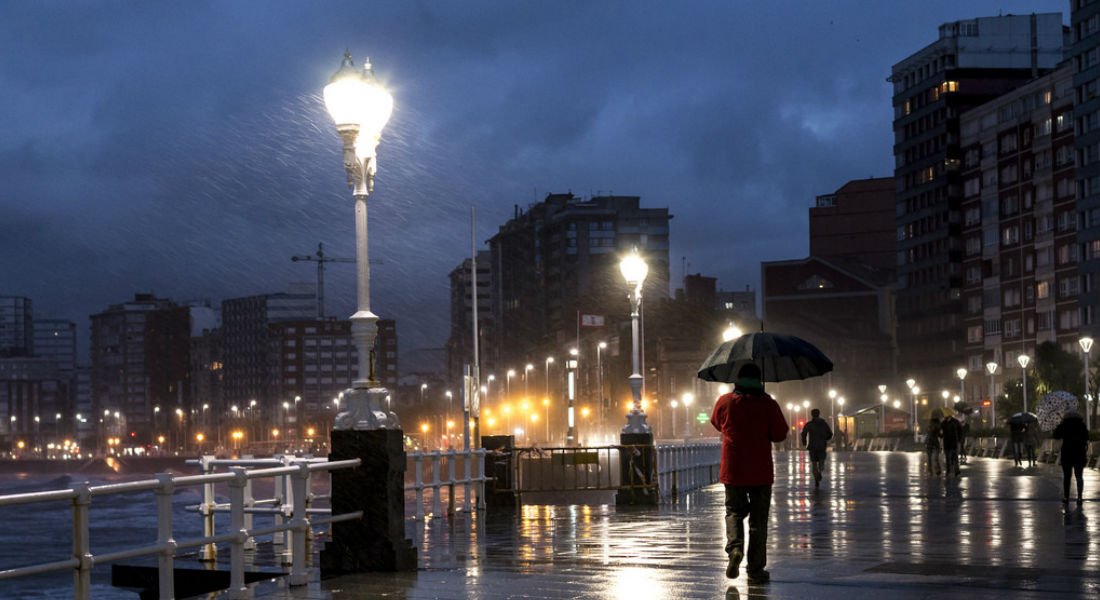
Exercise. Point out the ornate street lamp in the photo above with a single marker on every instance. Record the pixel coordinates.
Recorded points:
(360, 107)
(991, 366)
(634, 270)
(599, 389)
(1024, 359)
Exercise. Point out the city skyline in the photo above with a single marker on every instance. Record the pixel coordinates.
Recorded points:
(185, 151)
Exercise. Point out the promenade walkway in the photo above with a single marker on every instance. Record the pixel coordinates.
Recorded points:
(879, 527)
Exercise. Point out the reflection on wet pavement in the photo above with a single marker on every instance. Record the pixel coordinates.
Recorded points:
(879, 524)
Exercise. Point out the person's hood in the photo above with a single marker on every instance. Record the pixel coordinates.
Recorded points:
(1072, 414)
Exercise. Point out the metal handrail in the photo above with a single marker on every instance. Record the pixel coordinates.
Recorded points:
(418, 485)
(688, 466)
(164, 485)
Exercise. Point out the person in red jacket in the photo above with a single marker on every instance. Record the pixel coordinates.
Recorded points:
(750, 422)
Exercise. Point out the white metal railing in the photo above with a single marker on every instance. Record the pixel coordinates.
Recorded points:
(686, 467)
(165, 547)
(435, 461)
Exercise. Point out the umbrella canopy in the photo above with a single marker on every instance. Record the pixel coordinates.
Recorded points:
(1053, 407)
(962, 408)
(1025, 418)
(780, 358)
(937, 412)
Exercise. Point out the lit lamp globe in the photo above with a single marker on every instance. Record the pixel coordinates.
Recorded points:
(731, 333)
(634, 269)
(359, 105)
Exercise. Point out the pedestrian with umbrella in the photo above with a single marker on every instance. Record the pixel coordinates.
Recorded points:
(1017, 433)
(1032, 440)
(750, 422)
(1075, 441)
(951, 433)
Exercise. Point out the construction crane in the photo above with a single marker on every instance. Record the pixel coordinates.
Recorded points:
(321, 259)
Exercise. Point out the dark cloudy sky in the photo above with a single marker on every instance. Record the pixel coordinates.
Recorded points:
(181, 148)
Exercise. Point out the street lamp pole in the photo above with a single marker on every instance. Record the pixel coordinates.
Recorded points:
(1024, 359)
(549, 360)
(882, 396)
(961, 374)
(634, 270)
(599, 387)
(688, 398)
(991, 366)
(571, 390)
(1086, 345)
(360, 106)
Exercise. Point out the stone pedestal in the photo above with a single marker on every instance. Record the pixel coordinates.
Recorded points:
(498, 465)
(377, 542)
(637, 466)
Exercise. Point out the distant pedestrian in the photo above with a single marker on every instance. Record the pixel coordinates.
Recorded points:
(1032, 441)
(750, 421)
(951, 433)
(1075, 441)
(1017, 433)
(815, 437)
(932, 445)
(964, 448)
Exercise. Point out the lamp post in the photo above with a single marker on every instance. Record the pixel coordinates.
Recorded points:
(790, 419)
(1024, 359)
(674, 404)
(634, 270)
(526, 369)
(571, 392)
(945, 395)
(913, 411)
(1086, 345)
(961, 374)
(991, 366)
(837, 443)
(882, 396)
(508, 384)
(832, 408)
(599, 389)
(687, 399)
(549, 361)
(360, 107)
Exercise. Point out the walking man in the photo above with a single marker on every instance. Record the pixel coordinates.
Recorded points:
(750, 421)
(818, 433)
(951, 432)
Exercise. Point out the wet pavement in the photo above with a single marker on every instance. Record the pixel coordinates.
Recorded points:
(879, 525)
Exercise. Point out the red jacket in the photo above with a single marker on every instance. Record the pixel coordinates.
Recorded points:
(749, 424)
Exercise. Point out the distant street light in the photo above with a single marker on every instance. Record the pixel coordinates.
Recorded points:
(1024, 359)
(634, 270)
(1086, 345)
(731, 332)
(360, 107)
(991, 366)
(961, 374)
(599, 390)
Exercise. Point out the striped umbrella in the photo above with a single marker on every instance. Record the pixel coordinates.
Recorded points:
(780, 358)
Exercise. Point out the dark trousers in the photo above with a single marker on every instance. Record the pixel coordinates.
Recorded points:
(1017, 451)
(752, 502)
(1067, 471)
(1029, 451)
(951, 459)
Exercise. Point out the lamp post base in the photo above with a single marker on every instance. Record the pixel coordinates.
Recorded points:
(637, 470)
(366, 410)
(635, 423)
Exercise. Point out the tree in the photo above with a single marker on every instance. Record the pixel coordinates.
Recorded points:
(1055, 369)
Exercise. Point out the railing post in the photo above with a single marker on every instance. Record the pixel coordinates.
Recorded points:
(237, 587)
(249, 502)
(279, 482)
(466, 486)
(209, 551)
(436, 506)
(418, 466)
(166, 585)
(82, 574)
(451, 488)
(481, 452)
(299, 483)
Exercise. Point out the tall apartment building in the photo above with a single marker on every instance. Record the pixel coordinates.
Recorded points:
(16, 326)
(139, 356)
(559, 260)
(971, 63)
(856, 222)
(318, 360)
(56, 338)
(460, 343)
(1020, 250)
(34, 399)
(1083, 54)
(251, 368)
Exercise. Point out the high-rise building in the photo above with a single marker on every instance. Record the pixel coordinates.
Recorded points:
(34, 398)
(1083, 54)
(460, 343)
(16, 326)
(559, 261)
(140, 377)
(1020, 251)
(971, 63)
(251, 367)
(56, 338)
(856, 222)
